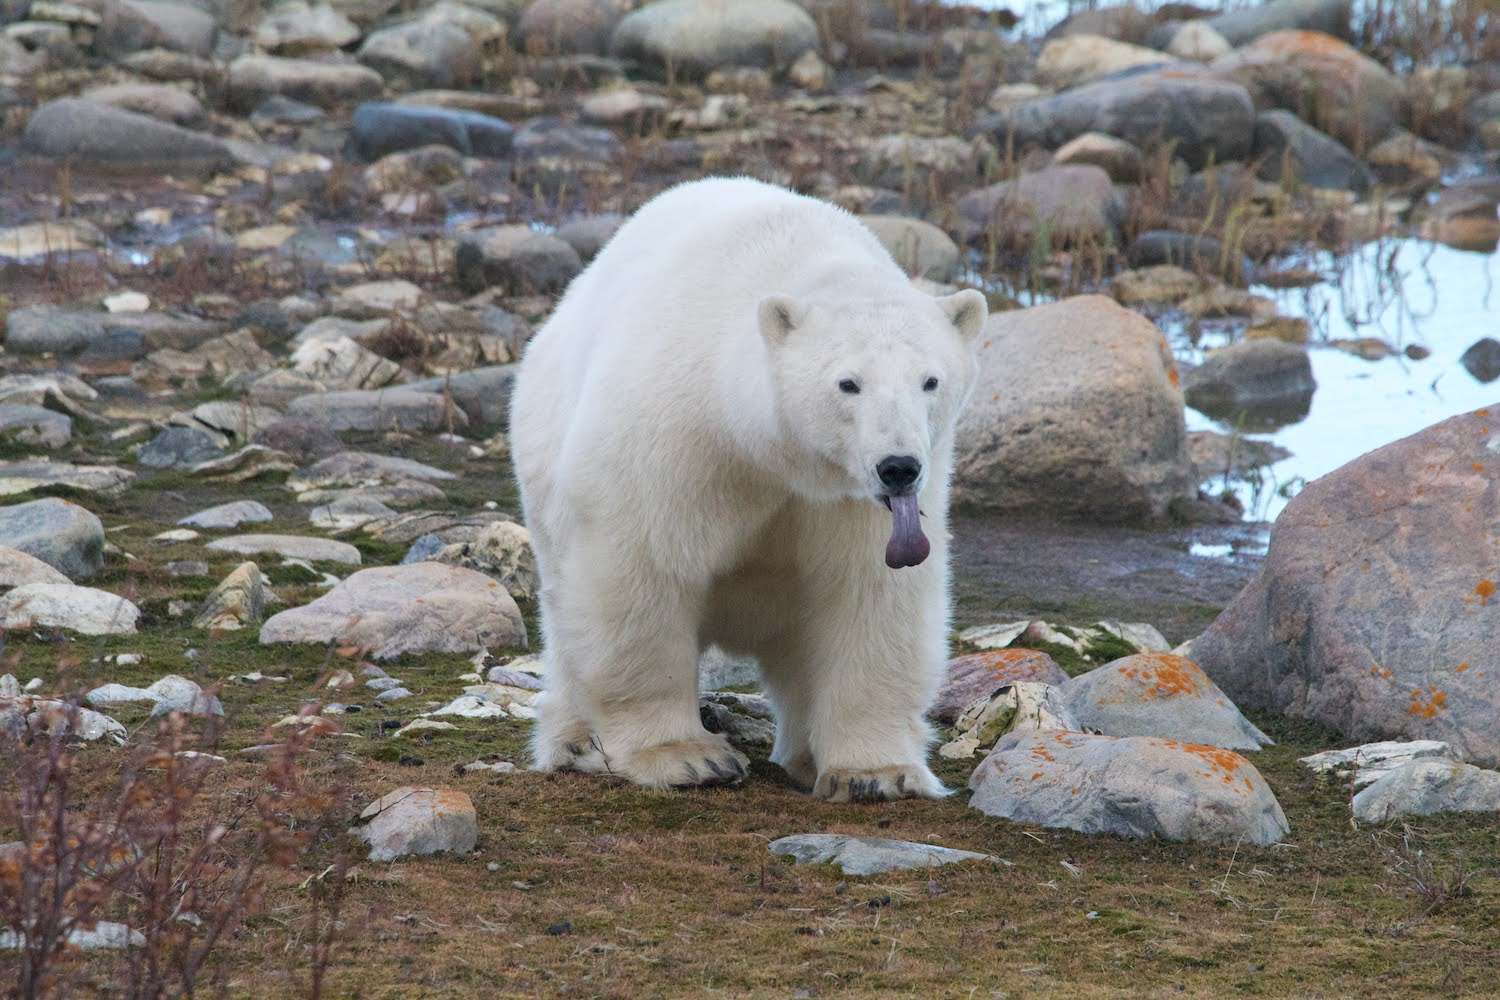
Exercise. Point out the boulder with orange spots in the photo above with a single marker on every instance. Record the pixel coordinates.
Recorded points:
(1374, 611)
(1158, 694)
(979, 675)
(1132, 786)
(1077, 412)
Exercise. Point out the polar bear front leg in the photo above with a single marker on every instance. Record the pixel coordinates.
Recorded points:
(873, 663)
(633, 671)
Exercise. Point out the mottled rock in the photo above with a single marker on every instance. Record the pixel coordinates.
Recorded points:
(695, 37)
(417, 821)
(553, 27)
(344, 364)
(290, 547)
(868, 855)
(229, 515)
(178, 694)
(502, 551)
(238, 601)
(1073, 60)
(423, 607)
(58, 532)
(23, 477)
(63, 605)
(1023, 705)
(1158, 694)
(979, 675)
(442, 47)
(379, 410)
(180, 448)
(297, 27)
(1133, 786)
(1428, 786)
(517, 258)
(363, 468)
(35, 425)
(254, 78)
(1369, 762)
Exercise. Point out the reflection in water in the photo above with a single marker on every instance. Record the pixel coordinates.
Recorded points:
(1406, 292)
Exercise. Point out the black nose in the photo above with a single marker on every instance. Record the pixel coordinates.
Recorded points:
(898, 472)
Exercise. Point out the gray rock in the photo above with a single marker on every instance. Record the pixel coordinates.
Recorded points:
(303, 440)
(482, 393)
(1248, 23)
(1069, 204)
(178, 694)
(1121, 160)
(238, 601)
(1197, 41)
(380, 129)
(180, 448)
(35, 425)
(396, 693)
(1075, 59)
(1210, 119)
(423, 549)
(63, 605)
(1427, 786)
(94, 135)
(128, 26)
(158, 100)
(1096, 429)
(298, 27)
(22, 477)
(1293, 152)
(979, 675)
(718, 670)
(1158, 694)
(432, 50)
(417, 821)
(1134, 786)
(58, 532)
(1370, 762)
(344, 364)
(379, 410)
(556, 27)
(588, 235)
(1198, 254)
(1482, 359)
(254, 78)
(516, 258)
(229, 515)
(105, 935)
(363, 468)
(1267, 382)
(695, 37)
(868, 855)
(290, 547)
(922, 249)
(391, 610)
(901, 160)
(114, 695)
(502, 551)
(17, 568)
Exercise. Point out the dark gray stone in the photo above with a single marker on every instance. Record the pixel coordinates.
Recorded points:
(1482, 359)
(89, 134)
(483, 394)
(1292, 151)
(1264, 381)
(381, 128)
(179, 448)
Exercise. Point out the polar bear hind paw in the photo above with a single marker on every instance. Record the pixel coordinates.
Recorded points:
(877, 784)
(686, 764)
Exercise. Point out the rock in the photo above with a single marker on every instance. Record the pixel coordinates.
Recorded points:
(1267, 381)
(1482, 359)
(89, 134)
(1024, 705)
(22, 477)
(1214, 454)
(178, 694)
(502, 552)
(251, 462)
(303, 440)
(114, 695)
(106, 935)
(1209, 119)
(239, 600)
(902, 161)
(1246, 24)
(380, 129)
(132, 25)
(1428, 786)
(1402, 160)
(363, 468)
(180, 448)
(1197, 41)
(343, 364)
(1071, 204)
(1116, 157)
(18, 568)
(377, 299)
(868, 855)
(694, 37)
(810, 72)
(1164, 284)
(569, 27)
(229, 515)
(1134, 786)
(254, 78)
(349, 512)
(290, 547)
(413, 171)
(979, 675)
(1073, 60)
(741, 728)
(379, 410)
(625, 106)
(922, 249)
(160, 101)
(1374, 611)
(1346, 94)
(43, 239)
(1464, 215)
(516, 258)
(442, 47)
(588, 235)
(228, 422)
(1199, 254)
(40, 716)
(57, 532)
(997, 636)
(35, 425)
(1095, 430)
(417, 821)
(1293, 152)
(300, 28)
(1158, 694)
(1367, 763)
(483, 393)
(63, 605)
(423, 607)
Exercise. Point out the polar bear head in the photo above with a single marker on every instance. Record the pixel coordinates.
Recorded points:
(869, 391)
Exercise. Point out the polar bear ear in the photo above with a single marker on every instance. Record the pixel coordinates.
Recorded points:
(967, 311)
(779, 316)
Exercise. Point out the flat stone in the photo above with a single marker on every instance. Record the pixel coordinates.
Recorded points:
(43, 239)
(379, 410)
(1428, 786)
(112, 695)
(22, 477)
(180, 448)
(57, 532)
(63, 605)
(1158, 694)
(91, 134)
(418, 821)
(254, 78)
(1133, 786)
(229, 515)
(380, 129)
(1372, 761)
(869, 855)
(289, 546)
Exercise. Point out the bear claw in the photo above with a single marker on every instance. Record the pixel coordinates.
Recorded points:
(878, 784)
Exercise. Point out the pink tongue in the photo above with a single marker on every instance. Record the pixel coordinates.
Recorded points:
(908, 546)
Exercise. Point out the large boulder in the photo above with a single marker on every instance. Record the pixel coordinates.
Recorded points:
(1209, 119)
(1134, 786)
(381, 128)
(417, 608)
(1075, 59)
(1076, 413)
(694, 37)
(1427, 786)
(1065, 205)
(1322, 80)
(60, 533)
(1375, 611)
(90, 134)
(1293, 152)
(1159, 694)
(67, 606)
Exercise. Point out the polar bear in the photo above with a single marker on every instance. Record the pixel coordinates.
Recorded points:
(734, 410)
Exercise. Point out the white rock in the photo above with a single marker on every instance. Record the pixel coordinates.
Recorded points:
(1372, 761)
(63, 605)
(178, 694)
(412, 821)
(1426, 786)
(105, 934)
(993, 636)
(109, 695)
(869, 855)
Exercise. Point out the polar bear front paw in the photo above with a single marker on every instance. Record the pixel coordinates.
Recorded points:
(685, 764)
(898, 781)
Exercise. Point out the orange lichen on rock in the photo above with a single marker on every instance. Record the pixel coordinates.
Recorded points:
(1485, 589)
(1167, 675)
(1463, 666)
(1010, 665)
(1429, 704)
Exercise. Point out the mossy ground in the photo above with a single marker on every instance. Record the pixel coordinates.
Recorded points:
(602, 889)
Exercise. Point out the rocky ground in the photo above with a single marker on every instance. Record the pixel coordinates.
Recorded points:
(269, 617)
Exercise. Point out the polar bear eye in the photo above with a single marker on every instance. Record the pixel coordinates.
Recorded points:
(930, 385)
(849, 386)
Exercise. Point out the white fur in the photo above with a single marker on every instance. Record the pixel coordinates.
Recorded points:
(691, 474)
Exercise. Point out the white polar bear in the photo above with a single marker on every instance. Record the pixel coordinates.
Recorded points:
(733, 411)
